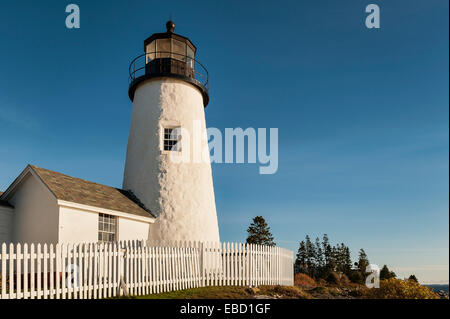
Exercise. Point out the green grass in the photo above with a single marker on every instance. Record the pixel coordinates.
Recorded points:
(229, 292)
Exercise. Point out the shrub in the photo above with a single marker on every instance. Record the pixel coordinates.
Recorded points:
(321, 282)
(356, 277)
(303, 280)
(333, 278)
(320, 290)
(400, 289)
(344, 280)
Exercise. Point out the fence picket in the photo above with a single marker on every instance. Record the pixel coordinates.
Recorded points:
(11, 271)
(60, 279)
(3, 273)
(164, 269)
(204, 263)
(80, 276)
(146, 274)
(51, 287)
(188, 267)
(109, 269)
(89, 271)
(63, 271)
(140, 269)
(83, 271)
(158, 269)
(182, 268)
(18, 274)
(95, 271)
(175, 267)
(195, 275)
(105, 270)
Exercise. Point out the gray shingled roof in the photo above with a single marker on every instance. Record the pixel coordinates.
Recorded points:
(80, 191)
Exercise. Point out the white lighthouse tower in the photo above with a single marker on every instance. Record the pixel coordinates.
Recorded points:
(169, 90)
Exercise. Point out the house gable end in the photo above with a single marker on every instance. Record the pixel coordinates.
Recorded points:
(18, 182)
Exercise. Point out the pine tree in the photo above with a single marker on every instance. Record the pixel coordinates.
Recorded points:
(343, 259)
(336, 253)
(310, 257)
(362, 263)
(338, 257)
(300, 262)
(259, 233)
(385, 273)
(319, 258)
(347, 269)
(413, 278)
(328, 256)
(326, 249)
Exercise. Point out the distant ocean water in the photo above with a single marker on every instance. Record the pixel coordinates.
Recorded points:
(438, 287)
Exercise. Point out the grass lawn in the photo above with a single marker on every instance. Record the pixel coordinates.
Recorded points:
(230, 292)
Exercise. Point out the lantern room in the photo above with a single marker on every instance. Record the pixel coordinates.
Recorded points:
(170, 45)
(169, 55)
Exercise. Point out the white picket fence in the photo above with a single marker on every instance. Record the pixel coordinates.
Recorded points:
(93, 271)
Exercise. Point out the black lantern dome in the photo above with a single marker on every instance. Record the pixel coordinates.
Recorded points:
(169, 55)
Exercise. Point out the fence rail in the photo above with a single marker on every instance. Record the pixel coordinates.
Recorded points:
(93, 271)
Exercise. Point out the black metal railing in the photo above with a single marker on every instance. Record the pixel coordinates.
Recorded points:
(168, 63)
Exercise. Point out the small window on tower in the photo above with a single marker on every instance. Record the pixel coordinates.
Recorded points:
(172, 138)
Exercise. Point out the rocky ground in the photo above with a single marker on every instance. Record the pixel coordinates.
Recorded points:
(351, 291)
(305, 293)
(442, 294)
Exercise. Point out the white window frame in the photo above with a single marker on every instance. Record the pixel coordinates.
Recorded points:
(164, 139)
(112, 227)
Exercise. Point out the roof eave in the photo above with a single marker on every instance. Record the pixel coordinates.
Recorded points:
(150, 219)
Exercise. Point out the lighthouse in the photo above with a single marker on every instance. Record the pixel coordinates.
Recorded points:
(169, 91)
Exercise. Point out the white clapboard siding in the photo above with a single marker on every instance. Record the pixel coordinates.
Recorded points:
(94, 271)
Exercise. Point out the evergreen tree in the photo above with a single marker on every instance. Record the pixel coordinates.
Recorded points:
(362, 263)
(319, 258)
(413, 278)
(328, 257)
(335, 257)
(338, 257)
(259, 233)
(326, 250)
(347, 261)
(310, 257)
(385, 273)
(300, 261)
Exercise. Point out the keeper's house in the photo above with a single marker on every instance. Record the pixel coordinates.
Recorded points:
(43, 206)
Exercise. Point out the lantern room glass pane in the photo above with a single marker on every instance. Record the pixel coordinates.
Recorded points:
(163, 48)
(190, 54)
(150, 50)
(178, 50)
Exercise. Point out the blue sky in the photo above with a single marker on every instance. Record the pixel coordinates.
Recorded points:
(362, 114)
